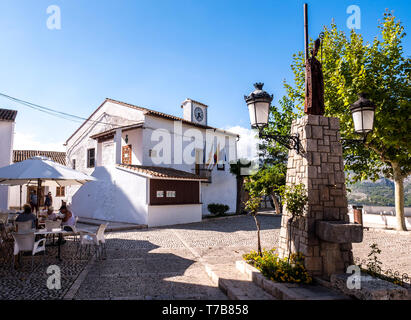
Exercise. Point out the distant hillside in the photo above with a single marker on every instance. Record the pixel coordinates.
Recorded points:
(379, 193)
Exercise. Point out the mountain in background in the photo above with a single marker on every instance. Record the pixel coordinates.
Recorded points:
(378, 193)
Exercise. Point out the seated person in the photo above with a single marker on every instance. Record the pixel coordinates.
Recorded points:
(69, 219)
(27, 215)
(49, 215)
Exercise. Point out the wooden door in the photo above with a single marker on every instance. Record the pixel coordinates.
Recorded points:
(40, 199)
(126, 154)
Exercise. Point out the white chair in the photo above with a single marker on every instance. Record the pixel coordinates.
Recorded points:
(24, 226)
(88, 239)
(25, 242)
(72, 229)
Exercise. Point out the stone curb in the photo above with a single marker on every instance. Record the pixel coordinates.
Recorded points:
(402, 233)
(80, 279)
(283, 291)
(204, 219)
(115, 229)
(241, 215)
(278, 290)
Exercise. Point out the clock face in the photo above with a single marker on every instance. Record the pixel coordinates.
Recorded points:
(198, 114)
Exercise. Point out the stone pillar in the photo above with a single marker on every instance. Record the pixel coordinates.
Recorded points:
(320, 168)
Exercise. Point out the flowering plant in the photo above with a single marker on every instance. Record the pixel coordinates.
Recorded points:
(277, 269)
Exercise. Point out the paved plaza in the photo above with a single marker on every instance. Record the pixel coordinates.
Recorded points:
(169, 262)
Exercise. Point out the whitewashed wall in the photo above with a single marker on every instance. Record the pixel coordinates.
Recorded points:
(223, 188)
(117, 195)
(165, 215)
(115, 115)
(382, 221)
(6, 154)
(78, 144)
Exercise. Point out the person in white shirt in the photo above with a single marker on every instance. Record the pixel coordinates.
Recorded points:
(69, 219)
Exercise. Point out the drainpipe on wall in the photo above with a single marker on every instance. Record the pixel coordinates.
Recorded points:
(117, 143)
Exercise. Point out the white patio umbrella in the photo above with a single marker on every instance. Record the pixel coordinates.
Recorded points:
(38, 170)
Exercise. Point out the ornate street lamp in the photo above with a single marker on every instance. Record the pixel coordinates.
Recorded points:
(259, 102)
(363, 111)
(363, 114)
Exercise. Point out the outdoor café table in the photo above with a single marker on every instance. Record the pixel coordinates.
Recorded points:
(53, 231)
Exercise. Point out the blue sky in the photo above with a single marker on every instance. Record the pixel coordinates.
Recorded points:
(157, 53)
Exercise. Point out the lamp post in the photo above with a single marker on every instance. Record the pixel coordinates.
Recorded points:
(363, 111)
(259, 102)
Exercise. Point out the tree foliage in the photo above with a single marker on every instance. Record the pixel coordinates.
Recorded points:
(380, 68)
(273, 156)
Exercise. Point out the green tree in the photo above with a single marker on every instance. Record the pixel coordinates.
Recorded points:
(268, 181)
(382, 70)
(252, 205)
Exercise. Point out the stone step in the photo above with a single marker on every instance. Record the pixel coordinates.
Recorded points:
(234, 284)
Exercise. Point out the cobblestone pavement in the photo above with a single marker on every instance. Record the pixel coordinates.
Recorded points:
(25, 283)
(395, 249)
(168, 263)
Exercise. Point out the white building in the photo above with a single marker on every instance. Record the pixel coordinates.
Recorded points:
(151, 167)
(7, 119)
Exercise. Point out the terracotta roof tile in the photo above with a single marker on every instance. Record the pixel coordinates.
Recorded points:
(21, 155)
(163, 172)
(8, 115)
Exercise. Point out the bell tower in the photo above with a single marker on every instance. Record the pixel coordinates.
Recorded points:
(194, 111)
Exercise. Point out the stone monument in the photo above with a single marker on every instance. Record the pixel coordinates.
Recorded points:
(323, 233)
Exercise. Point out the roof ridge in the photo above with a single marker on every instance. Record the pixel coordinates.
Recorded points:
(38, 150)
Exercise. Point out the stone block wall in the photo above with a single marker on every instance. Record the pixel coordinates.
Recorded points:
(320, 168)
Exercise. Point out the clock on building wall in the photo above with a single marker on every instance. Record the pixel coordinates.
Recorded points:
(198, 114)
(195, 111)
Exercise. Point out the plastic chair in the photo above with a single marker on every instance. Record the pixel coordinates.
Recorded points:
(97, 240)
(72, 229)
(25, 242)
(50, 225)
(24, 226)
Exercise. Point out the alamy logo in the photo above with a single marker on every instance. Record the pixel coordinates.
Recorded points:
(54, 20)
(54, 280)
(354, 20)
(354, 281)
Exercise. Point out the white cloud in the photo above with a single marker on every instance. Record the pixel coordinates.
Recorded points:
(25, 141)
(247, 146)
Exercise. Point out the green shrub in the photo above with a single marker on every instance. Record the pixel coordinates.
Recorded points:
(217, 208)
(277, 269)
